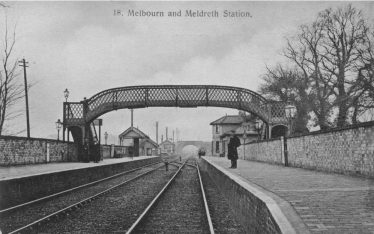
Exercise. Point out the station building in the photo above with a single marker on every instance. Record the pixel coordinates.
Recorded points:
(167, 147)
(137, 142)
(244, 126)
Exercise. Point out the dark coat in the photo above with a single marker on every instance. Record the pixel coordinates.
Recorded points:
(232, 151)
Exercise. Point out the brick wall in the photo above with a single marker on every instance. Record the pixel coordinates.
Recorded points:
(20, 150)
(269, 151)
(348, 151)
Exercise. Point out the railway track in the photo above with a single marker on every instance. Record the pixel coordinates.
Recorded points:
(161, 198)
(180, 207)
(31, 215)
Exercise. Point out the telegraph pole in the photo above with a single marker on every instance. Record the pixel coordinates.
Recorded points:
(132, 117)
(157, 132)
(23, 64)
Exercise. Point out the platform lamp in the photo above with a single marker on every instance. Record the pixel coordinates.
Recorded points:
(66, 94)
(290, 111)
(106, 137)
(245, 129)
(258, 128)
(58, 127)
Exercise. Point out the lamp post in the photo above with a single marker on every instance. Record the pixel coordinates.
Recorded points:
(290, 111)
(66, 94)
(106, 137)
(58, 127)
(244, 138)
(258, 128)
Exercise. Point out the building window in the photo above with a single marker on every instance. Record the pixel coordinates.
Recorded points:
(217, 129)
(217, 146)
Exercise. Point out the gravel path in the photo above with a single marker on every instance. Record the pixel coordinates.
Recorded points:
(180, 209)
(114, 212)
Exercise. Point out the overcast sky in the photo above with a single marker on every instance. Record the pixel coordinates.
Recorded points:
(84, 47)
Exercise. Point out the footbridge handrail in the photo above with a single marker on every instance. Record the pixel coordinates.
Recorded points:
(173, 96)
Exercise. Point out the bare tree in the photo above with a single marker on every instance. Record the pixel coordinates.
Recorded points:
(334, 59)
(344, 36)
(11, 89)
(364, 101)
(303, 50)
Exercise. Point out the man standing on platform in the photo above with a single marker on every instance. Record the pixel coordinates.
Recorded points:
(232, 153)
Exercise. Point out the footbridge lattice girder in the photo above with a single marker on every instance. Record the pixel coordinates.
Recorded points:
(78, 116)
(79, 113)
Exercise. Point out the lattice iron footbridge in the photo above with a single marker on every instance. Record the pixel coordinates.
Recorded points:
(78, 116)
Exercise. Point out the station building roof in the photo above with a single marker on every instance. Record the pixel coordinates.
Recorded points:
(133, 132)
(228, 119)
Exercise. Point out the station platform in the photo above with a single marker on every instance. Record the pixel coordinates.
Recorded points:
(20, 184)
(20, 171)
(324, 202)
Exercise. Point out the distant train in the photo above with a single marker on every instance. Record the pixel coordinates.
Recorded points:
(202, 152)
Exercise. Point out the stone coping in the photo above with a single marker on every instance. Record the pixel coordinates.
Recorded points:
(283, 213)
(23, 171)
(337, 129)
(34, 139)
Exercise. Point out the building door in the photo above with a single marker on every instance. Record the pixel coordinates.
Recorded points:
(224, 148)
(136, 147)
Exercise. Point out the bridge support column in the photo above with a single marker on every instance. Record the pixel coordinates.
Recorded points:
(86, 143)
(269, 131)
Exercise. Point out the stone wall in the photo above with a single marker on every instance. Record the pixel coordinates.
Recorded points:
(21, 150)
(347, 151)
(270, 151)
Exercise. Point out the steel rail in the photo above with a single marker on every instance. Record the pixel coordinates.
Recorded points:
(191, 165)
(4, 211)
(141, 217)
(176, 164)
(211, 229)
(78, 204)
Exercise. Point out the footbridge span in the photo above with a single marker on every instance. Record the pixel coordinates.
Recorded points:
(78, 116)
